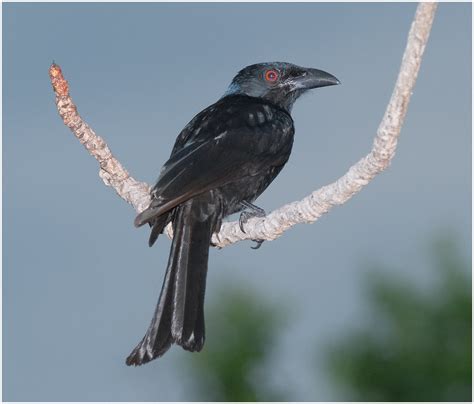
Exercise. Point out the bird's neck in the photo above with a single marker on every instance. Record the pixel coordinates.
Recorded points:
(284, 102)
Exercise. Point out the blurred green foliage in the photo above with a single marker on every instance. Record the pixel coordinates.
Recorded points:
(418, 347)
(242, 330)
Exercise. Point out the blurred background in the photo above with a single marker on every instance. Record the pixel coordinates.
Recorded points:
(373, 302)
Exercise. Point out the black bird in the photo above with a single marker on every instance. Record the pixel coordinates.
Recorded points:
(221, 162)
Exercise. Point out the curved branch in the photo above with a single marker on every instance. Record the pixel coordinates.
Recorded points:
(309, 209)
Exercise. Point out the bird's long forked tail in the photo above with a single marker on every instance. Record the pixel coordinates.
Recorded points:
(179, 314)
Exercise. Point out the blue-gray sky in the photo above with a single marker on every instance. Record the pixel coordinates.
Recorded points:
(80, 283)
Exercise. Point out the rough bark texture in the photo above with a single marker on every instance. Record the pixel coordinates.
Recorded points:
(309, 209)
(111, 171)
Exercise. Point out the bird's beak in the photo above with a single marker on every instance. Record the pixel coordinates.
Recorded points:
(314, 78)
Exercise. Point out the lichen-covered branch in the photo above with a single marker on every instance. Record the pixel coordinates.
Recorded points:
(309, 209)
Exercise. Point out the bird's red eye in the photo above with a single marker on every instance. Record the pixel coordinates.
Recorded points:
(271, 76)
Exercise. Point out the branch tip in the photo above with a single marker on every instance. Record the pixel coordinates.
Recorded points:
(60, 84)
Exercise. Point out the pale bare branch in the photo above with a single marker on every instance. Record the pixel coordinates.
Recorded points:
(309, 209)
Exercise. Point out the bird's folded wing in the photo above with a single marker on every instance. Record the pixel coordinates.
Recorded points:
(207, 164)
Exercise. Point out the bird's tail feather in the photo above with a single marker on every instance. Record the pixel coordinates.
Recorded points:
(179, 315)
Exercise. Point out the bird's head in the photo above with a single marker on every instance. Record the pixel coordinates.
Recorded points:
(278, 82)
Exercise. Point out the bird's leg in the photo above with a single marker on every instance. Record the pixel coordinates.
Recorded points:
(253, 211)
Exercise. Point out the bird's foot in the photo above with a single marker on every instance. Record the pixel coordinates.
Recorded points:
(253, 211)
(215, 245)
(259, 244)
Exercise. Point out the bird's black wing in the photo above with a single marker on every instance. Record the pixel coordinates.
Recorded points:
(232, 139)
